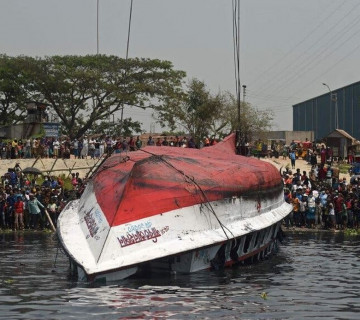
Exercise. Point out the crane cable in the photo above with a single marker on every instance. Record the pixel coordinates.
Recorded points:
(236, 43)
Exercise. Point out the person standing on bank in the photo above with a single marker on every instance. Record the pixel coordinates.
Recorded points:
(19, 213)
(292, 157)
(34, 210)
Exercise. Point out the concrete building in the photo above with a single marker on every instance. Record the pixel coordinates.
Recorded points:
(288, 136)
(341, 142)
(336, 109)
(36, 122)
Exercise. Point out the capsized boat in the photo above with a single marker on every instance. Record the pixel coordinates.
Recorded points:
(174, 209)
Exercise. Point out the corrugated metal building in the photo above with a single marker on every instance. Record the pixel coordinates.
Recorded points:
(319, 114)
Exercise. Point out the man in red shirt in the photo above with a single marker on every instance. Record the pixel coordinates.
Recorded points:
(19, 213)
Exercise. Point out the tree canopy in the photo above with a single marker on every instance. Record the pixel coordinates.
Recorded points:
(204, 114)
(84, 90)
(252, 120)
(13, 91)
(194, 111)
(116, 128)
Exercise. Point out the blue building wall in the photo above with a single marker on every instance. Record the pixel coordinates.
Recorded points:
(318, 114)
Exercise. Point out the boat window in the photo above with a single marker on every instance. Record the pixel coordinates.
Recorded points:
(262, 236)
(248, 238)
(267, 234)
(256, 239)
(272, 232)
(234, 250)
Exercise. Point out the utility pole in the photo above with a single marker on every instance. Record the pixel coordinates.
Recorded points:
(244, 92)
(333, 97)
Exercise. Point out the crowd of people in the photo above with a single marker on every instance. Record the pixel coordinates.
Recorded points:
(24, 202)
(51, 147)
(91, 147)
(184, 142)
(27, 204)
(320, 199)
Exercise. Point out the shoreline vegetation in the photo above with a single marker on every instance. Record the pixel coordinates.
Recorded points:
(348, 232)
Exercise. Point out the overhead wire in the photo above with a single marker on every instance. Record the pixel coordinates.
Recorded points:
(328, 70)
(310, 33)
(316, 60)
(266, 97)
(305, 57)
(284, 85)
(236, 48)
(271, 97)
(323, 57)
(122, 113)
(126, 59)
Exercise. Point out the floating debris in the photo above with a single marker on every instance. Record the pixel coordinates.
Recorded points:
(9, 281)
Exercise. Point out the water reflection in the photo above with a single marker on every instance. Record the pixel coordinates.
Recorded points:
(313, 275)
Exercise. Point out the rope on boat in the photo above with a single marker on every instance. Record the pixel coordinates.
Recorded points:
(56, 255)
(58, 248)
(123, 159)
(192, 180)
(102, 160)
(187, 178)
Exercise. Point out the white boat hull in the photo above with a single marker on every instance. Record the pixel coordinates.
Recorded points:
(184, 240)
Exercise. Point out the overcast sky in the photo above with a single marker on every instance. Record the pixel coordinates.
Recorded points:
(288, 47)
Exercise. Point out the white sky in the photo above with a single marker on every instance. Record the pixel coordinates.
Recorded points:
(288, 47)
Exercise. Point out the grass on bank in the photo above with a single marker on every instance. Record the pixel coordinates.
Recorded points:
(344, 168)
(352, 232)
(67, 181)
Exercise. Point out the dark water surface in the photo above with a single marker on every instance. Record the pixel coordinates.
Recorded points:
(313, 276)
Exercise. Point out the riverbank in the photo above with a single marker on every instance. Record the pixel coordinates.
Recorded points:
(66, 166)
(300, 164)
(55, 166)
(347, 231)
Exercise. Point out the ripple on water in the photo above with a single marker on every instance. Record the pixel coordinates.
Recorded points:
(312, 276)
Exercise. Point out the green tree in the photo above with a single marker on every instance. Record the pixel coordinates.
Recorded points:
(83, 90)
(202, 114)
(127, 128)
(252, 120)
(13, 91)
(194, 111)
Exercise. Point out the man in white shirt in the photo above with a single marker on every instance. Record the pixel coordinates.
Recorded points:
(56, 147)
(85, 148)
